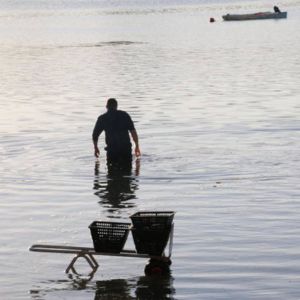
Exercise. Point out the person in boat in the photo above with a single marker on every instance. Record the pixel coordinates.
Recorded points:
(117, 125)
(276, 9)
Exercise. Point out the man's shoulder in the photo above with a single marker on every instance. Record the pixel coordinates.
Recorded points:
(123, 115)
(104, 115)
(122, 112)
(101, 116)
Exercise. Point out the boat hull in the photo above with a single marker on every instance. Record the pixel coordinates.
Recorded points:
(255, 16)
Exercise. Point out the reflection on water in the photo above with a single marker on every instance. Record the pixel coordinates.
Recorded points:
(99, 44)
(147, 288)
(45, 289)
(116, 188)
(155, 288)
(113, 289)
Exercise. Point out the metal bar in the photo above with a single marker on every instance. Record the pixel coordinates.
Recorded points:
(60, 247)
(71, 265)
(171, 241)
(85, 250)
(89, 260)
(93, 260)
(88, 257)
(57, 251)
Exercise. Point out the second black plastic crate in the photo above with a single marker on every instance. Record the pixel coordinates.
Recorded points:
(151, 241)
(152, 219)
(109, 236)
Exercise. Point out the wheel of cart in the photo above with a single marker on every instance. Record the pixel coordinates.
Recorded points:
(158, 267)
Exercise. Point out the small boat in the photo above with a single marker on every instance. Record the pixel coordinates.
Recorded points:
(255, 16)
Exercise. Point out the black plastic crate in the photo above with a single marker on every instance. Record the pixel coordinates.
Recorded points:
(151, 241)
(109, 236)
(152, 219)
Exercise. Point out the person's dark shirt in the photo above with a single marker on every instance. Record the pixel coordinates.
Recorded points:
(115, 124)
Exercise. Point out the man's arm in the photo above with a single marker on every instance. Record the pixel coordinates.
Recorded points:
(96, 149)
(135, 138)
(96, 132)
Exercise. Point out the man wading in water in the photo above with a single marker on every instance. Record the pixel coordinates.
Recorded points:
(117, 124)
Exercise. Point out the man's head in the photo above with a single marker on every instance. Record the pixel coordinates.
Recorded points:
(112, 104)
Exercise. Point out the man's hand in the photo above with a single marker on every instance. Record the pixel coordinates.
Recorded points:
(137, 151)
(136, 141)
(97, 152)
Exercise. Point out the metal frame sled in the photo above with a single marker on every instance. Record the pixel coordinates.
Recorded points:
(89, 253)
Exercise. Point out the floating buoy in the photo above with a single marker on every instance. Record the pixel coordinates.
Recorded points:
(211, 20)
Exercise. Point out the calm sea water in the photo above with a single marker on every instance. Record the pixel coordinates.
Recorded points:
(217, 110)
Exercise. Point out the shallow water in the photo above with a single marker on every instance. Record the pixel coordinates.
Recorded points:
(217, 111)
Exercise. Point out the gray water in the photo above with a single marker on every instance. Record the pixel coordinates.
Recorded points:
(217, 109)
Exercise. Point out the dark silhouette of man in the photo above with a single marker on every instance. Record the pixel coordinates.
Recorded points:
(117, 125)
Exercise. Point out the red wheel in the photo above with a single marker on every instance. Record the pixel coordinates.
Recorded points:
(157, 268)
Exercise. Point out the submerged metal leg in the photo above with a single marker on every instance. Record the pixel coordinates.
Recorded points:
(92, 258)
(88, 257)
(171, 241)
